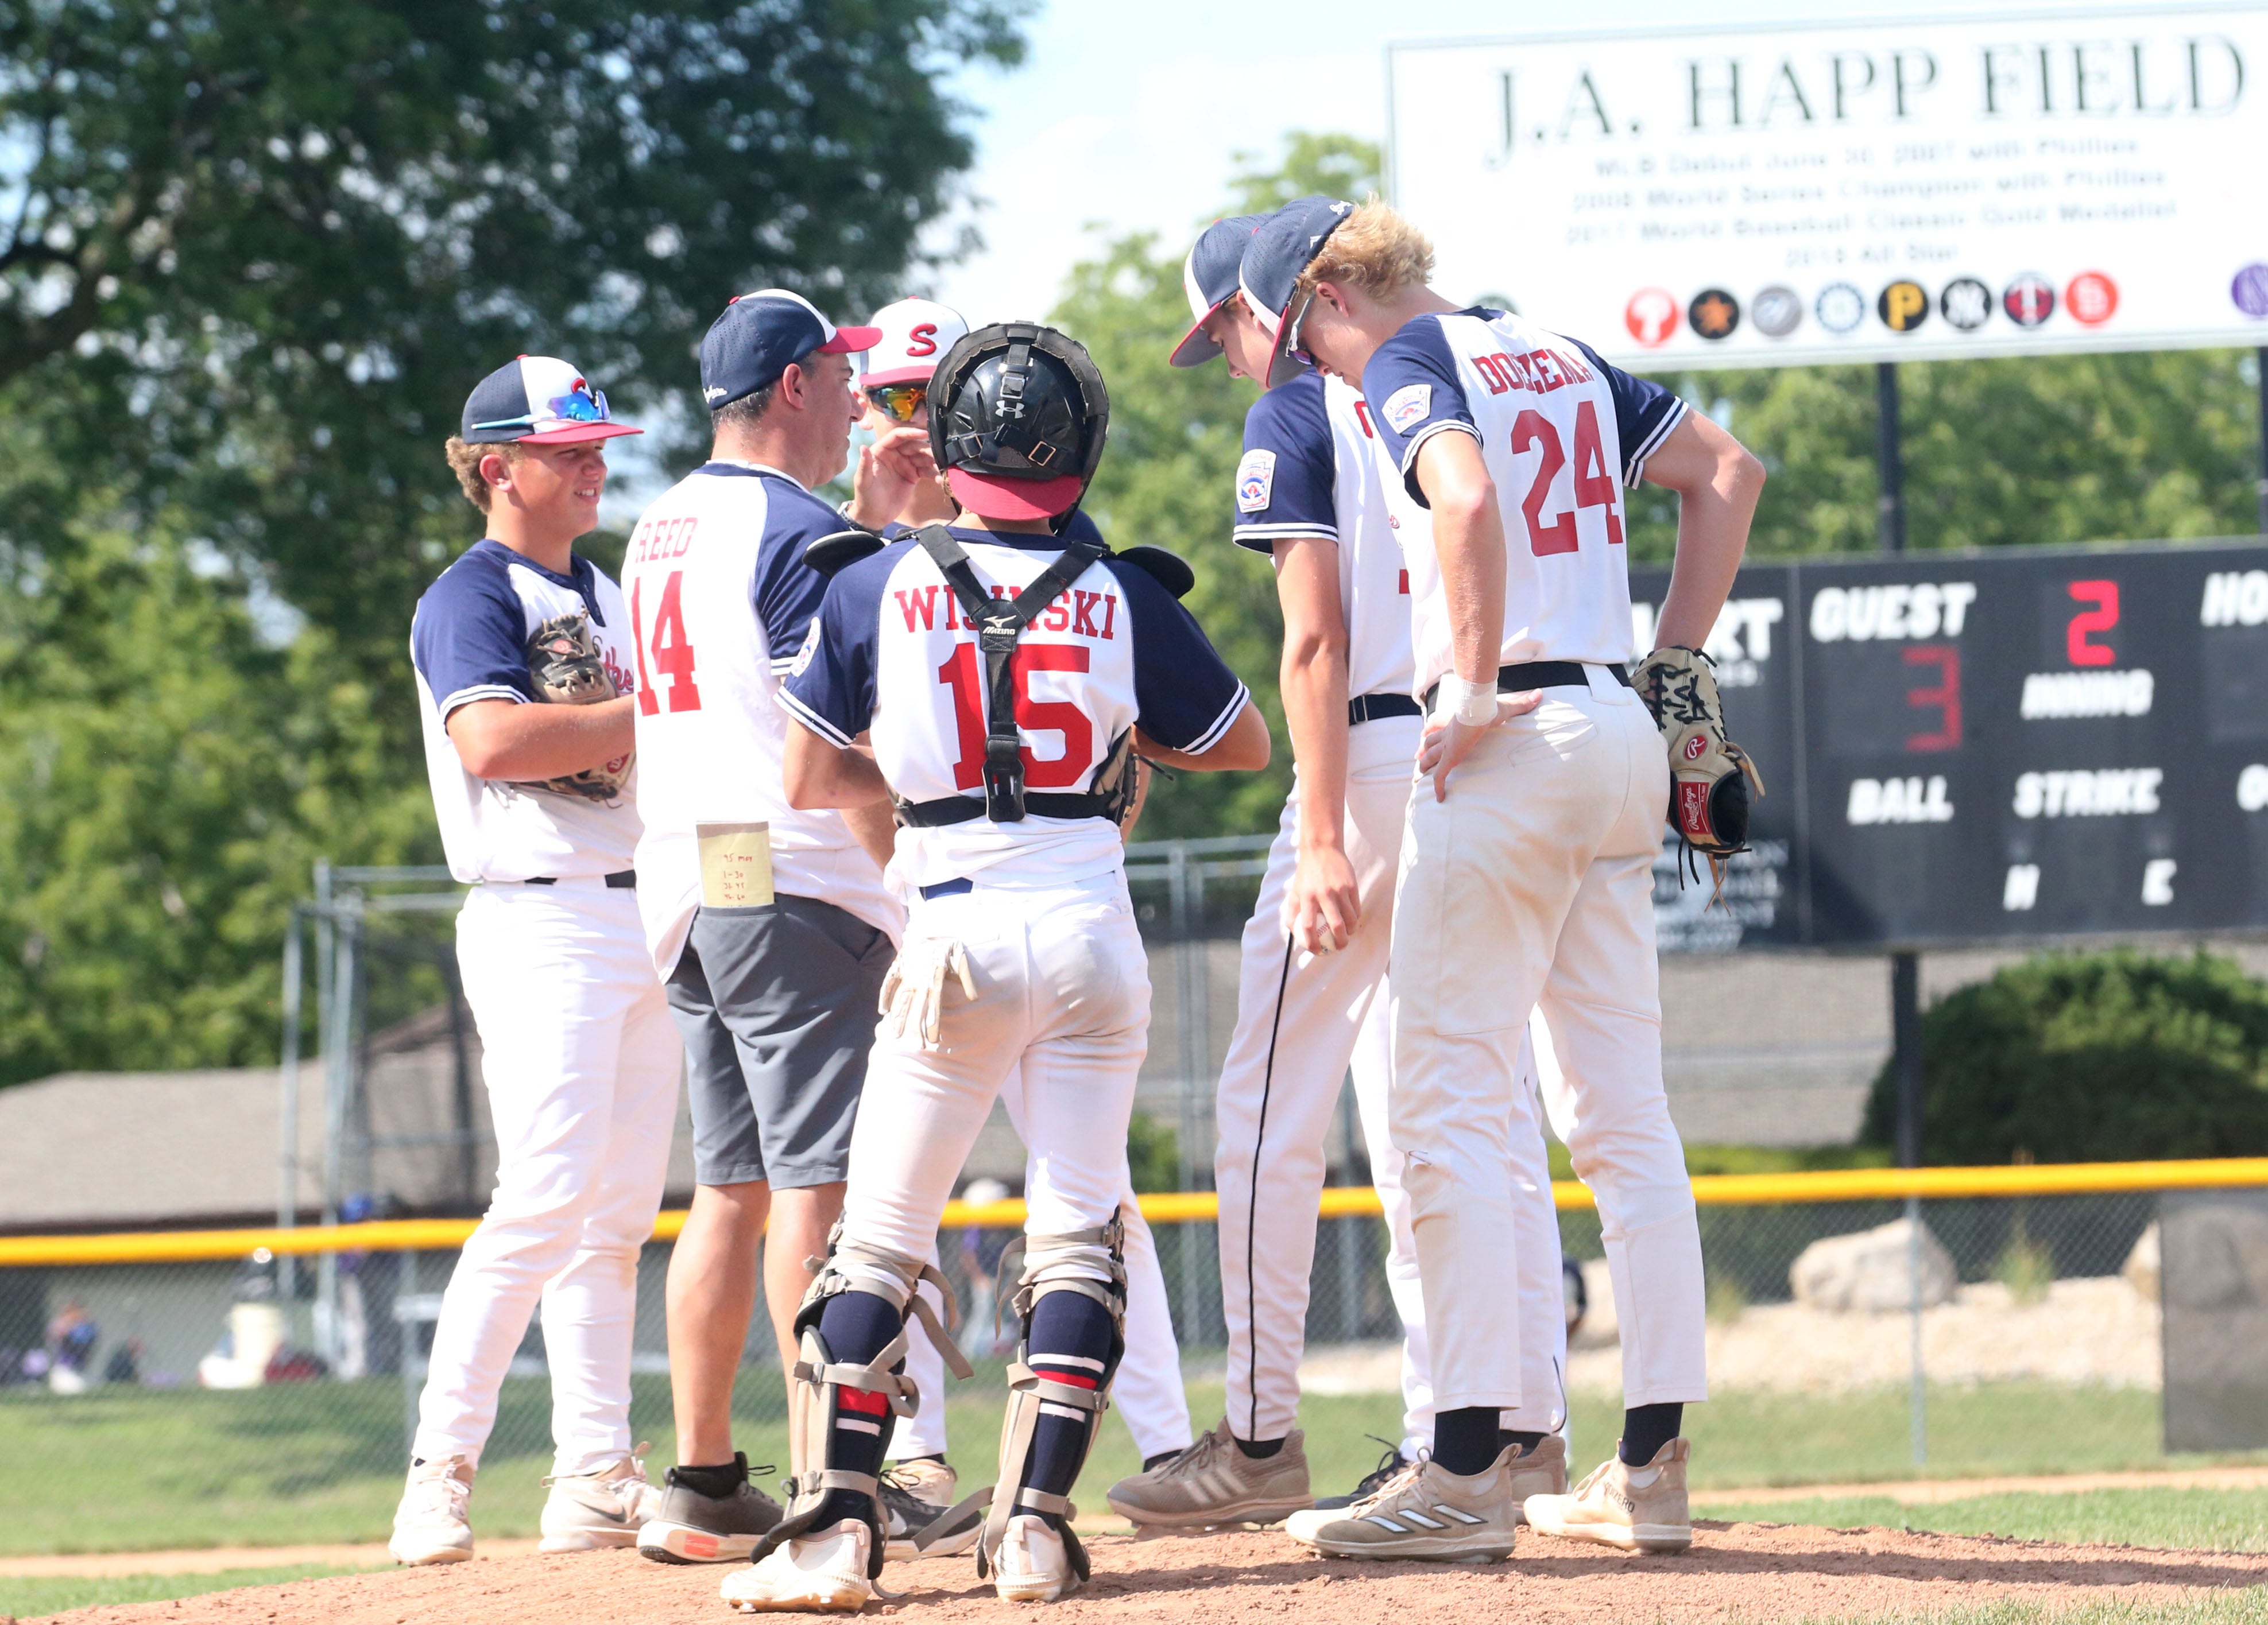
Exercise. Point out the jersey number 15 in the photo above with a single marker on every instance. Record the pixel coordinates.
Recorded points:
(964, 675)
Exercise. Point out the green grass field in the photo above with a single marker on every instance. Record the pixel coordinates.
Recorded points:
(2220, 1520)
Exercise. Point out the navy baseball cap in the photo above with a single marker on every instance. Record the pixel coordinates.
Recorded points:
(538, 401)
(1283, 246)
(1209, 278)
(759, 336)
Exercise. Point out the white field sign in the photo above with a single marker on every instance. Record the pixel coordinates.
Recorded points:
(1876, 191)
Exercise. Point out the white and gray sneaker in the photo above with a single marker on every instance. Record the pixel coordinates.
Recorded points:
(1034, 1564)
(1213, 1483)
(1632, 1509)
(822, 1573)
(686, 1527)
(433, 1524)
(605, 1507)
(1427, 1513)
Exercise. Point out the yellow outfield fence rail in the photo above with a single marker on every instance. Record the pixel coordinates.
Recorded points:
(1183, 1207)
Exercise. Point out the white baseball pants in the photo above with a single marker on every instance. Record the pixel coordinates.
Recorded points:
(1531, 887)
(1147, 1393)
(581, 1062)
(1301, 1021)
(1063, 991)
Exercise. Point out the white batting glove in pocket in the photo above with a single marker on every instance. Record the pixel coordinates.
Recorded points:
(913, 992)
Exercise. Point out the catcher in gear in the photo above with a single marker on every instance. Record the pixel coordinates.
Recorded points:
(563, 663)
(1713, 782)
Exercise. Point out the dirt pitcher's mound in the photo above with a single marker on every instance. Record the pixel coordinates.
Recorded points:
(1755, 1571)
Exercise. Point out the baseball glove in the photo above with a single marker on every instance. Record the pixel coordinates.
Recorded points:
(1712, 781)
(563, 663)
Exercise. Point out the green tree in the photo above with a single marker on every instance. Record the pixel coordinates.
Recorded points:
(1175, 434)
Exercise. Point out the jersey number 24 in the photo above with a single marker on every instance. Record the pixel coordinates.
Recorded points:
(1594, 484)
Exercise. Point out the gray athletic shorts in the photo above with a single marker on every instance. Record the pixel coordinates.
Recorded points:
(777, 1005)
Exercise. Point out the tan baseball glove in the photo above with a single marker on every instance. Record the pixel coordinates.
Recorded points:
(1712, 781)
(563, 663)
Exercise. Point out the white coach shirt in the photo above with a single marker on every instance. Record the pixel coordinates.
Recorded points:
(721, 601)
(469, 641)
(1562, 434)
(1312, 466)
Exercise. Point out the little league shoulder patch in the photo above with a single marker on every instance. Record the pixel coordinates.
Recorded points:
(1255, 482)
(810, 648)
(1408, 407)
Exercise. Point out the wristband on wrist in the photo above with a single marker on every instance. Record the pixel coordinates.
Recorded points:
(1471, 703)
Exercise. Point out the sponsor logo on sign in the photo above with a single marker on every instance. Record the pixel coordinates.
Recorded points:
(1255, 480)
(1966, 304)
(1840, 307)
(1777, 311)
(1650, 316)
(2029, 300)
(2250, 288)
(1696, 747)
(2092, 298)
(1902, 306)
(1407, 406)
(1714, 313)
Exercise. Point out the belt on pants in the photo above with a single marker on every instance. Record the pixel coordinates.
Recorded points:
(1543, 675)
(947, 888)
(620, 880)
(1371, 707)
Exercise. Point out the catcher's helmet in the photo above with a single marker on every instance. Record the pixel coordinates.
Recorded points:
(1017, 414)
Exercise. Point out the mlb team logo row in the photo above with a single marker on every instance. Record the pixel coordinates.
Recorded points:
(1965, 304)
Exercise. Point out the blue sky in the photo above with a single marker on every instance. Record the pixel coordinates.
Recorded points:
(1130, 116)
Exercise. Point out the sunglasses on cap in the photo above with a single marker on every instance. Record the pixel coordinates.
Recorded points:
(579, 407)
(903, 403)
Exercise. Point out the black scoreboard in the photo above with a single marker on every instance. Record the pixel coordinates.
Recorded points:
(1964, 748)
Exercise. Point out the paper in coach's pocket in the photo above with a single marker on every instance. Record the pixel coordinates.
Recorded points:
(736, 864)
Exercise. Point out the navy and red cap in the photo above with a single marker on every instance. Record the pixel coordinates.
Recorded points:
(1285, 245)
(538, 401)
(1209, 278)
(759, 336)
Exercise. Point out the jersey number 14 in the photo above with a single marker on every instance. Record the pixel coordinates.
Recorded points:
(666, 646)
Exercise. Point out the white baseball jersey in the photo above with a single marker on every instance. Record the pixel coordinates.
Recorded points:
(1312, 467)
(891, 651)
(721, 599)
(469, 641)
(1562, 434)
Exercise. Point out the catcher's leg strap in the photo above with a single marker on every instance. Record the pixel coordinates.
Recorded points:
(853, 1266)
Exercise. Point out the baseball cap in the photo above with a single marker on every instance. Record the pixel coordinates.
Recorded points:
(1209, 278)
(915, 335)
(759, 336)
(1283, 246)
(538, 401)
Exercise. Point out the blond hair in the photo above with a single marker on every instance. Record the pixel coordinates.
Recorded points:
(465, 463)
(1376, 250)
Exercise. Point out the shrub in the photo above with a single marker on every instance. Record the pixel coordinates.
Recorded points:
(2091, 1058)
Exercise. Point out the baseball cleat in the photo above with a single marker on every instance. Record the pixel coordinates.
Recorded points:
(1426, 1512)
(1035, 1563)
(822, 1573)
(686, 1527)
(587, 1510)
(1212, 1483)
(1390, 1466)
(917, 1496)
(432, 1525)
(1634, 1509)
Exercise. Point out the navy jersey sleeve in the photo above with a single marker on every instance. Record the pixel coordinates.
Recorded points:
(1184, 696)
(1078, 527)
(1285, 484)
(469, 639)
(787, 590)
(1415, 394)
(830, 681)
(1644, 413)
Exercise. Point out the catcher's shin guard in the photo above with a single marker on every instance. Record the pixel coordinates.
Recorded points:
(1091, 1263)
(821, 1383)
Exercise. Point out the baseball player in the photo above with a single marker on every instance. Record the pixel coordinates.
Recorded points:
(1526, 868)
(1311, 491)
(915, 334)
(525, 682)
(1003, 675)
(770, 925)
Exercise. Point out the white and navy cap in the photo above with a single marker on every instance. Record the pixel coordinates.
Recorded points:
(1283, 246)
(915, 335)
(538, 401)
(1209, 278)
(759, 335)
